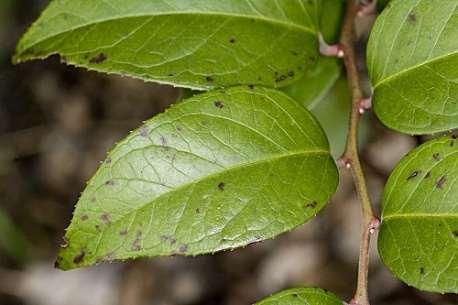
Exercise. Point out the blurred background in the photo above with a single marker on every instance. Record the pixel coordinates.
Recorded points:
(56, 124)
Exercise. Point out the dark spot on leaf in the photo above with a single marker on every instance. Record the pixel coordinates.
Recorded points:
(221, 186)
(93, 199)
(79, 258)
(110, 182)
(280, 78)
(136, 246)
(428, 174)
(209, 78)
(412, 18)
(163, 141)
(144, 132)
(413, 175)
(219, 104)
(452, 142)
(422, 270)
(108, 161)
(179, 128)
(436, 156)
(84, 217)
(440, 183)
(294, 53)
(295, 295)
(291, 73)
(232, 40)
(168, 239)
(105, 217)
(312, 205)
(123, 232)
(100, 58)
(251, 87)
(197, 211)
(183, 248)
(455, 233)
(171, 74)
(97, 228)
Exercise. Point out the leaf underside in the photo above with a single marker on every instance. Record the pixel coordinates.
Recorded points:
(301, 296)
(418, 240)
(413, 64)
(217, 171)
(198, 44)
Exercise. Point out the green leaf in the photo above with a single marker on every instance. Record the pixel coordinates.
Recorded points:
(332, 113)
(198, 44)
(301, 296)
(217, 171)
(317, 81)
(413, 64)
(418, 240)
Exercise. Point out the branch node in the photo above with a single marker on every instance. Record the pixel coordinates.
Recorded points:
(344, 162)
(374, 225)
(364, 104)
(334, 50)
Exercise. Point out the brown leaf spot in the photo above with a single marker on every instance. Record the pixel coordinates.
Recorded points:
(312, 205)
(428, 174)
(183, 248)
(79, 258)
(412, 18)
(197, 211)
(105, 217)
(110, 182)
(455, 233)
(436, 156)
(100, 58)
(123, 232)
(232, 40)
(108, 161)
(209, 79)
(440, 183)
(219, 104)
(84, 217)
(422, 270)
(221, 186)
(413, 175)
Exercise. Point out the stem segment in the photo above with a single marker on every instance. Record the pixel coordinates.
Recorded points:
(350, 157)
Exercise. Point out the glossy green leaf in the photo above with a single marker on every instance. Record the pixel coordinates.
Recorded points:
(413, 64)
(198, 44)
(217, 171)
(418, 240)
(301, 296)
(317, 81)
(333, 114)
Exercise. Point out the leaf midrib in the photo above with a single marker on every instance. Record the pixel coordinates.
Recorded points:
(416, 66)
(210, 13)
(214, 174)
(420, 215)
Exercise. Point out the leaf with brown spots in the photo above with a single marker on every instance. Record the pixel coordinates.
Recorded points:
(204, 189)
(420, 216)
(197, 44)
